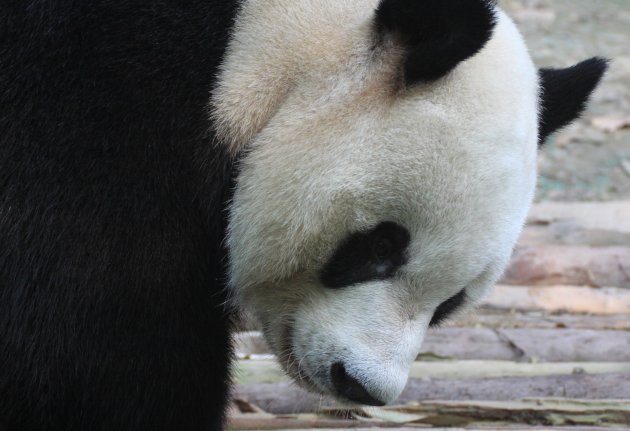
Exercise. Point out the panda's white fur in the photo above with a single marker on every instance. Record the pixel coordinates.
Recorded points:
(334, 145)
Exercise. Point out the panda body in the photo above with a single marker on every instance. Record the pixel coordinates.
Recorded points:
(302, 159)
(112, 201)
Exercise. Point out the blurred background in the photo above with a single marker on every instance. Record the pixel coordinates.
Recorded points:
(589, 160)
(550, 348)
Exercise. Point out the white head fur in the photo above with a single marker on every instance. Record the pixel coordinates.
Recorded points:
(334, 144)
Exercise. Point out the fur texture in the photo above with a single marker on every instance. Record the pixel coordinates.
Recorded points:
(564, 93)
(112, 202)
(448, 307)
(367, 256)
(436, 35)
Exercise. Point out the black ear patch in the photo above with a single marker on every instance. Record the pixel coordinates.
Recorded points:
(564, 93)
(437, 34)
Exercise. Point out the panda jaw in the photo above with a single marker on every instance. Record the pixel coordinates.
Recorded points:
(380, 361)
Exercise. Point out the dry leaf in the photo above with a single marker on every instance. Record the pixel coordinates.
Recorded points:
(245, 406)
(610, 124)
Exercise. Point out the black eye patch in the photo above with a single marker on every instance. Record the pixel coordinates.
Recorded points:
(367, 256)
(448, 307)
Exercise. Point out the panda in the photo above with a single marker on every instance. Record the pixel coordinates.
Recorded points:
(349, 172)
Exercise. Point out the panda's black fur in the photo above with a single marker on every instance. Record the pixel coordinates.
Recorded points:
(113, 195)
(447, 32)
(112, 202)
(564, 93)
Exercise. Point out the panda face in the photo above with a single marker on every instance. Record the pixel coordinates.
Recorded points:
(370, 202)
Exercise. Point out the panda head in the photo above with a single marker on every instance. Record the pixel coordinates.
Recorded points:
(387, 164)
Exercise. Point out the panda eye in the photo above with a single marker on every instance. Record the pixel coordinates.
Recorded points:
(383, 248)
(367, 256)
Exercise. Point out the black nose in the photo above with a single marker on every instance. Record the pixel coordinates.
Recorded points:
(349, 388)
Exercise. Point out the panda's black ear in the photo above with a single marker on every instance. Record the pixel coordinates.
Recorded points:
(564, 93)
(436, 34)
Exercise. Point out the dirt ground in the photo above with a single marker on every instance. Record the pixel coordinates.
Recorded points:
(591, 159)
